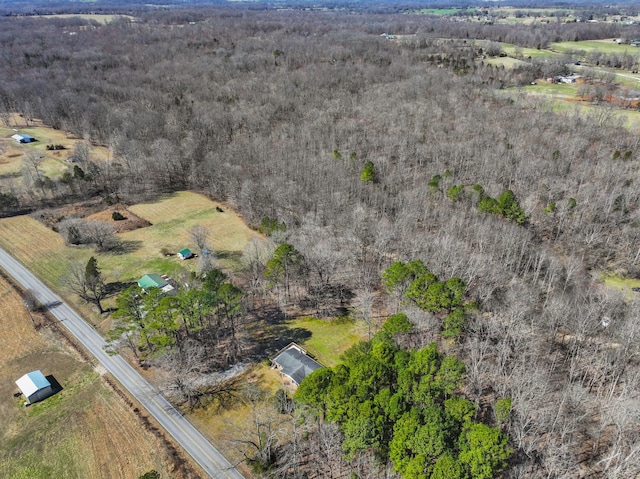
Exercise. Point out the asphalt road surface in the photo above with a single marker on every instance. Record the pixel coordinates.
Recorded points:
(194, 443)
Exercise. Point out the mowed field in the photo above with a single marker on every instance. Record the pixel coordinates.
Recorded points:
(506, 62)
(103, 19)
(173, 218)
(84, 431)
(513, 51)
(605, 46)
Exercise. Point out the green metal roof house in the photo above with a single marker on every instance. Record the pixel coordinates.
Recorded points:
(185, 254)
(150, 281)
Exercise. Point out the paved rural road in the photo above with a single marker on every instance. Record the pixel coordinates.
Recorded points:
(169, 417)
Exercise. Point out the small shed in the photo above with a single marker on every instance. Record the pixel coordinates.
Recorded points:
(34, 386)
(23, 138)
(185, 254)
(294, 363)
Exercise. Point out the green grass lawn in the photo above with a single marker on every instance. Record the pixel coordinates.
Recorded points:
(622, 284)
(567, 90)
(628, 79)
(512, 51)
(605, 46)
(329, 339)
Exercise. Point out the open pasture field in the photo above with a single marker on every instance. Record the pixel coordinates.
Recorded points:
(562, 98)
(12, 153)
(173, 217)
(515, 51)
(103, 19)
(83, 431)
(506, 62)
(528, 16)
(607, 46)
(39, 248)
(628, 79)
(444, 11)
(562, 90)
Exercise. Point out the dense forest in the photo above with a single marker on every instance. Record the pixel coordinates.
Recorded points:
(377, 157)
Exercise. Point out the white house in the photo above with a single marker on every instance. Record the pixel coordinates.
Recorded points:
(34, 386)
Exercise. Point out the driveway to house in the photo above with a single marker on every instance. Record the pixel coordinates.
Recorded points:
(184, 433)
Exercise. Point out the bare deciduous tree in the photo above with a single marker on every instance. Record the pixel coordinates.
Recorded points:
(192, 383)
(88, 286)
(99, 233)
(200, 237)
(363, 307)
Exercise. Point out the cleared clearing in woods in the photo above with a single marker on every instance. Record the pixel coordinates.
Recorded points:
(174, 216)
(53, 162)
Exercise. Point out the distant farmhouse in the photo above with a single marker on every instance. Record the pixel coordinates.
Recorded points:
(151, 281)
(572, 78)
(34, 386)
(22, 138)
(294, 363)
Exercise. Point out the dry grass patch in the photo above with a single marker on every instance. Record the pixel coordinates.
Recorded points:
(39, 248)
(130, 222)
(45, 253)
(227, 424)
(19, 336)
